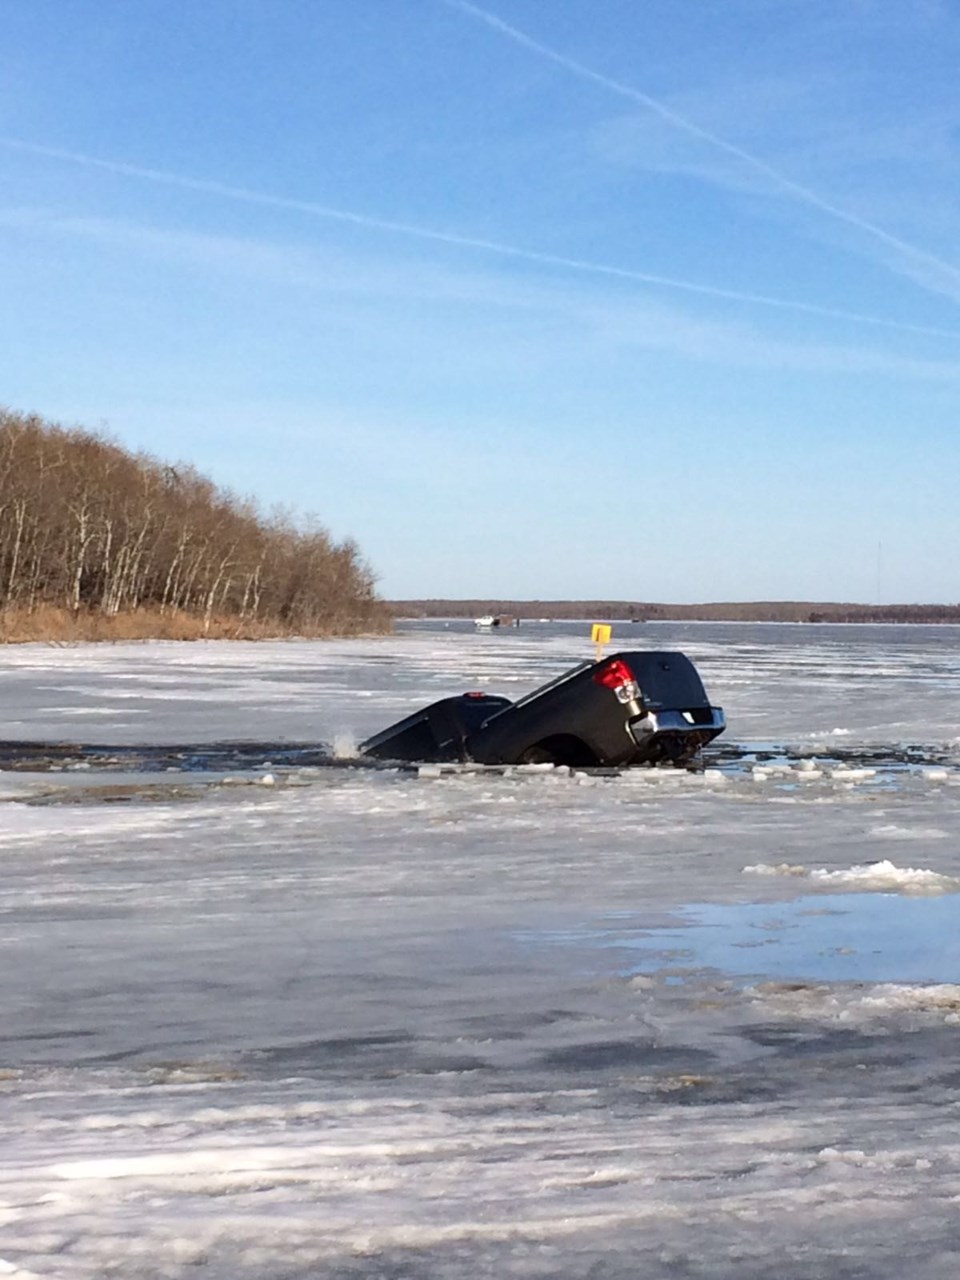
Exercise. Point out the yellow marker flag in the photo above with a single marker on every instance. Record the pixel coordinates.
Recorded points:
(600, 635)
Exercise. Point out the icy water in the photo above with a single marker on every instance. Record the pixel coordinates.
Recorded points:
(265, 1014)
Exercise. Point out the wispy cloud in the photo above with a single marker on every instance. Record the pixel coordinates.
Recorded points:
(776, 178)
(247, 195)
(505, 322)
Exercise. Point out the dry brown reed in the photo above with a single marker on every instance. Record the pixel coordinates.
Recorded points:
(51, 625)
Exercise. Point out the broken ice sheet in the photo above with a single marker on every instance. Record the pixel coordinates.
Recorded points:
(363, 1027)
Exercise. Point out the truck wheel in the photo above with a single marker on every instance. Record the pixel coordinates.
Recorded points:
(561, 748)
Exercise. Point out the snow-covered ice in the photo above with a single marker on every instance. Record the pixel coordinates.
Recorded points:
(300, 1021)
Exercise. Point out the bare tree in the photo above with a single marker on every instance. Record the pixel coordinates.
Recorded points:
(87, 526)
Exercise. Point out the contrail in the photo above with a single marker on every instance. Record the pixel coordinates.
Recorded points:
(246, 195)
(797, 189)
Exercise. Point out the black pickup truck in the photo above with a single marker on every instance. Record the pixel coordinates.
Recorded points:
(630, 708)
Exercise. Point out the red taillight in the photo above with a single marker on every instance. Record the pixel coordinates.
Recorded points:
(616, 675)
(475, 693)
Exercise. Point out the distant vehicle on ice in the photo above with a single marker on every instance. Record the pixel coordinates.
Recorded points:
(489, 621)
(629, 708)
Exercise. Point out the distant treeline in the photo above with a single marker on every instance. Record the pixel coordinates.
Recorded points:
(639, 611)
(89, 528)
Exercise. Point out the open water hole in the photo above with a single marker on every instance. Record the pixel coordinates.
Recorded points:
(856, 937)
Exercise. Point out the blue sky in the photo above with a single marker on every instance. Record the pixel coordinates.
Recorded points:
(548, 298)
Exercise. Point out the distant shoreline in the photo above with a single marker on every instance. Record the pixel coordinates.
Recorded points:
(641, 611)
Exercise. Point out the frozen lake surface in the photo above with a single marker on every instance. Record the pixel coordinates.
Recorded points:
(262, 1017)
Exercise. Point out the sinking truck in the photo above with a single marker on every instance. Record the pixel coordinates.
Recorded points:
(628, 709)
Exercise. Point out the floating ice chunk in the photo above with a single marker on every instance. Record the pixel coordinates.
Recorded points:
(936, 775)
(830, 1155)
(780, 869)
(882, 1161)
(884, 877)
(267, 780)
(894, 831)
(640, 982)
(857, 1004)
(11, 1269)
(892, 997)
(639, 776)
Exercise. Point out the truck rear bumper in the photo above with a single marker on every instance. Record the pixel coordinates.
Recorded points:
(675, 735)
